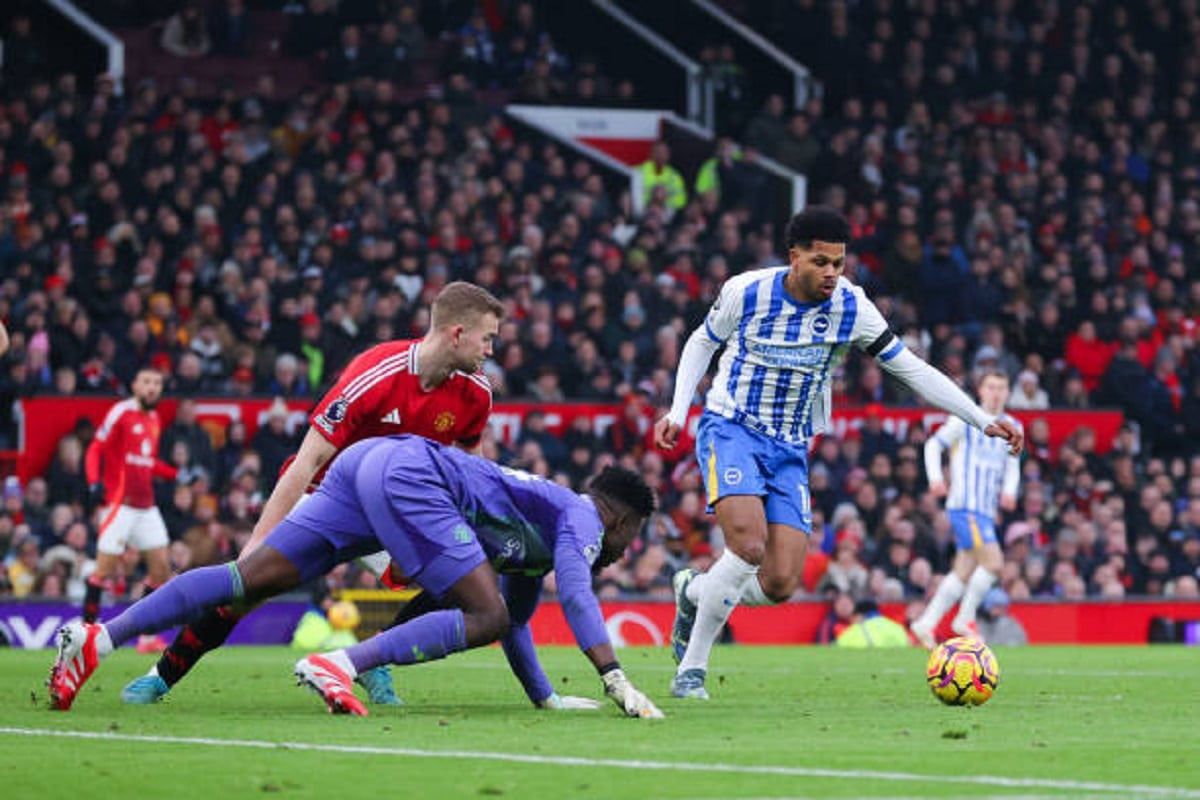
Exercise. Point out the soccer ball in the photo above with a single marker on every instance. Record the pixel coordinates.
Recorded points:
(343, 616)
(962, 672)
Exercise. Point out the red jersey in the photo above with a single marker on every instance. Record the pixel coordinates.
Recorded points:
(379, 394)
(126, 447)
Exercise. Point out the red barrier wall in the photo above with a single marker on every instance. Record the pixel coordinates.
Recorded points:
(1126, 622)
(1098, 623)
(45, 420)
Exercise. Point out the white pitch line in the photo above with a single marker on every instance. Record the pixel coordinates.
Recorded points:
(912, 797)
(632, 764)
(750, 670)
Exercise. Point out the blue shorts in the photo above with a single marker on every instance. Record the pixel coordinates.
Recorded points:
(971, 529)
(383, 493)
(735, 460)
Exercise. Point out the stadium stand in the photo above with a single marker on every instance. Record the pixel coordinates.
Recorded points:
(1023, 183)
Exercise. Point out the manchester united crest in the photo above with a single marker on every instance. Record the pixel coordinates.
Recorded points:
(443, 422)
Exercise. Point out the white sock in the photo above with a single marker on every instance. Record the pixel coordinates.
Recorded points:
(977, 586)
(719, 595)
(377, 563)
(947, 594)
(753, 594)
(340, 658)
(104, 644)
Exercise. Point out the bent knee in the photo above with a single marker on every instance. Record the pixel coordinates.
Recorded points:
(750, 550)
(778, 588)
(487, 625)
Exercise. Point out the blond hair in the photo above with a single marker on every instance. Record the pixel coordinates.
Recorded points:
(462, 303)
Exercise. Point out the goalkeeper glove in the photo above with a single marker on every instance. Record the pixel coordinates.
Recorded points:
(627, 697)
(558, 702)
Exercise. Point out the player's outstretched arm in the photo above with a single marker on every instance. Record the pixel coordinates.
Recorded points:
(573, 576)
(521, 595)
(693, 363)
(719, 325)
(939, 390)
(315, 451)
(872, 334)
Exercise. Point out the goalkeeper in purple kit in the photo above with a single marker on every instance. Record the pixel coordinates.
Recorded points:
(451, 522)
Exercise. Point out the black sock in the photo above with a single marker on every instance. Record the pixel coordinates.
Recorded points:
(91, 600)
(207, 633)
(422, 603)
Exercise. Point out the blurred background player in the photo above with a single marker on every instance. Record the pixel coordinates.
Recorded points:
(446, 517)
(120, 466)
(784, 331)
(983, 475)
(431, 387)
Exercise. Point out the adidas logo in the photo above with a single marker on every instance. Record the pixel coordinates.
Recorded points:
(392, 417)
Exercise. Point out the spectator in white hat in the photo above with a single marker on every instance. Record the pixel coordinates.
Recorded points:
(1028, 394)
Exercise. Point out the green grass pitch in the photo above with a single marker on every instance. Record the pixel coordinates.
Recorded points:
(783, 722)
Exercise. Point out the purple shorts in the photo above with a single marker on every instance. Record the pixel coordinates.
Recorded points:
(387, 493)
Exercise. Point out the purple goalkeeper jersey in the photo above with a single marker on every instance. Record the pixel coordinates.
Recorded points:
(520, 519)
(440, 511)
(440, 514)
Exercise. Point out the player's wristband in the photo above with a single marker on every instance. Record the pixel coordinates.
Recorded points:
(609, 667)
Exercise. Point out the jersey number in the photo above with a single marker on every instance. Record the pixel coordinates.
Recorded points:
(805, 501)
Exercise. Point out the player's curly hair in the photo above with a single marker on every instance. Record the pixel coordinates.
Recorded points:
(626, 487)
(825, 223)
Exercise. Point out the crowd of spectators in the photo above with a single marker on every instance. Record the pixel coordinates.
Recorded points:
(1023, 187)
(514, 53)
(1034, 168)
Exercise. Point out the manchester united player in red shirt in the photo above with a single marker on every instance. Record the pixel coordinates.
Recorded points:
(121, 466)
(431, 387)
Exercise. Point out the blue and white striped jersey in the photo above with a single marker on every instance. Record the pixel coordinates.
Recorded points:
(981, 468)
(774, 375)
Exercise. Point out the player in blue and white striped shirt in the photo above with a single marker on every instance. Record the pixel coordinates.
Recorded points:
(983, 476)
(784, 330)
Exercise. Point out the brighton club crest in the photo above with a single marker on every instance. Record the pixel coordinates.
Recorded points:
(821, 324)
